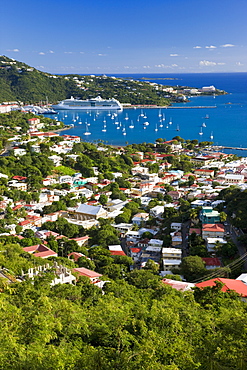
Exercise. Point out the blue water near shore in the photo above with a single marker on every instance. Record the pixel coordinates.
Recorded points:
(227, 120)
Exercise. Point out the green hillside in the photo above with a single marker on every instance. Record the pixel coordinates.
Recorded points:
(20, 82)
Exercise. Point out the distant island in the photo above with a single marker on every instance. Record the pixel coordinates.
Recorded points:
(22, 83)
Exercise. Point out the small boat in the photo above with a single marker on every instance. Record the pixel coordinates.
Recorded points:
(146, 123)
(87, 132)
(131, 125)
(204, 124)
(80, 122)
(104, 128)
(207, 116)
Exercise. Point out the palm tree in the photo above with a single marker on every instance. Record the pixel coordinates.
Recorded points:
(194, 215)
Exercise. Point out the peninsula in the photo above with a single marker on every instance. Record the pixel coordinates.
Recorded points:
(22, 83)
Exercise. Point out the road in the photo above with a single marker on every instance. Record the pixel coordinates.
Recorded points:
(234, 233)
(185, 232)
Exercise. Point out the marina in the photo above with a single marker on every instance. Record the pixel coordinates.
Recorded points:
(204, 118)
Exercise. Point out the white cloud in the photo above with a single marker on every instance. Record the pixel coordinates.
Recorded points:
(15, 50)
(101, 55)
(239, 64)
(197, 47)
(51, 51)
(227, 46)
(82, 52)
(221, 64)
(41, 53)
(207, 63)
(174, 65)
(126, 67)
(146, 67)
(173, 55)
(40, 67)
(210, 47)
(68, 52)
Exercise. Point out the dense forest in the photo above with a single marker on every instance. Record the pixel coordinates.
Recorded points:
(136, 322)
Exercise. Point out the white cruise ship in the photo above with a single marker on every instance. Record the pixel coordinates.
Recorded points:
(89, 104)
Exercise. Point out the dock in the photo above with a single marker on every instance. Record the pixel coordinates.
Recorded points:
(219, 147)
(166, 107)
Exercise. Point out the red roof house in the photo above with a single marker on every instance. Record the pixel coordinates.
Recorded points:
(229, 284)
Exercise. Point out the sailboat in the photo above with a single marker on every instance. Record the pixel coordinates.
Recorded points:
(160, 114)
(211, 135)
(161, 124)
(131, 125)
(156, 127)
(207, 116)
(126, 117)
(170, 122)
(177, 129)
(204, 124)
(201, 133)
(142, 114)
(124, 131)
(87, 132)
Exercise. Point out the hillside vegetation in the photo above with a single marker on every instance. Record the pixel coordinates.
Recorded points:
(20, 82)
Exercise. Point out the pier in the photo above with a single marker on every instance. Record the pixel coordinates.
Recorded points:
(219, 147)
(166, 107)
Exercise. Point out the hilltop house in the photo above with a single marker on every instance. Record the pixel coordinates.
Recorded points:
(209, 216)
(87, 212)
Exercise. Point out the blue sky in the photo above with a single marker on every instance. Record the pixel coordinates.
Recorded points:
(126, 36)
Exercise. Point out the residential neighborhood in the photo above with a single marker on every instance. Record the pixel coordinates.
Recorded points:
(162, 204)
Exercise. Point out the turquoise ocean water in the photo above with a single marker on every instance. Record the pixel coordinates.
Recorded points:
(227, 120)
